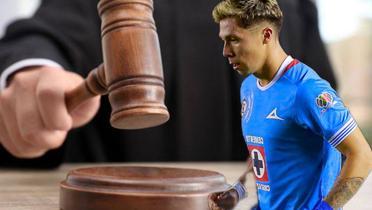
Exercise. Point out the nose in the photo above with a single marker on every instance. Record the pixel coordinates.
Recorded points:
(227, 52)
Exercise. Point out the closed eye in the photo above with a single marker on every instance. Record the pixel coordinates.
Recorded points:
(232, 39)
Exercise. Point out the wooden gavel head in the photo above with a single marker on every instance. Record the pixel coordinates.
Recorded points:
(132, 72)
(132, 61)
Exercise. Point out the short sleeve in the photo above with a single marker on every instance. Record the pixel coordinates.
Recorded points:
(320, 109)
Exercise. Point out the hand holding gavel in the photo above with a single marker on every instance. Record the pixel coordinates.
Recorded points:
(34, 117)
(41, 104)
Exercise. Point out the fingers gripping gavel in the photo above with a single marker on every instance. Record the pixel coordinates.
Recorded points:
(132, 73)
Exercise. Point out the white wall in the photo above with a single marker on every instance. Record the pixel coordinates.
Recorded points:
(13, 9)
(341, 19)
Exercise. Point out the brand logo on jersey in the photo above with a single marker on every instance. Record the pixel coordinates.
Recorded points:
(259, 162)
(247, 105)
(325, 101)
(273, 115)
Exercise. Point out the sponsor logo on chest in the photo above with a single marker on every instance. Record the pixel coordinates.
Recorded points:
(254, 139)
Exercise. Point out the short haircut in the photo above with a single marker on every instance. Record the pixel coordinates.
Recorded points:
(249, 12)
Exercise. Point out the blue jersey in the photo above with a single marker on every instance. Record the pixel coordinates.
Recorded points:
(291, 127)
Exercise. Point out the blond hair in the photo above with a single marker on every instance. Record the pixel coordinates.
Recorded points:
(249, 12)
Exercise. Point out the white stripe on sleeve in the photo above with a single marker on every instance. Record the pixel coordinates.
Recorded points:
(342, 133)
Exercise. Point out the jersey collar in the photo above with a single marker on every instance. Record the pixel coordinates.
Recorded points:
(287, 63)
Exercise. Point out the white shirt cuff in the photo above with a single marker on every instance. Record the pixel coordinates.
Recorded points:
(22, 64)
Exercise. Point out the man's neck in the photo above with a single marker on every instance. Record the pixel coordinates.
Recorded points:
(270, 68)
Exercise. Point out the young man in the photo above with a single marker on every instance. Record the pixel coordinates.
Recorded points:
(294, 124)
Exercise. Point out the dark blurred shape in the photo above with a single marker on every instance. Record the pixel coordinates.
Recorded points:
(300, 37)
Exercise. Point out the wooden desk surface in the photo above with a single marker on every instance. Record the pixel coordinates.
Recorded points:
(39, 190)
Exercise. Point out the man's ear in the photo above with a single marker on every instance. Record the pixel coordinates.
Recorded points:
(267, 35)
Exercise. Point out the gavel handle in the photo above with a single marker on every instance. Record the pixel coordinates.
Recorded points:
(93, 85)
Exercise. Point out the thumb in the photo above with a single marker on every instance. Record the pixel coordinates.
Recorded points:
(51, 90)
(83, 112)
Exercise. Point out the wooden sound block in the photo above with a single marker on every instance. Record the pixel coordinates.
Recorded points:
(139, 188)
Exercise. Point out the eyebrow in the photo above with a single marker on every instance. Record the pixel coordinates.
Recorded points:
(229, 36)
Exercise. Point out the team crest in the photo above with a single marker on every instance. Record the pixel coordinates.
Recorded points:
(324, 101)
(257, 154)
(246, 109)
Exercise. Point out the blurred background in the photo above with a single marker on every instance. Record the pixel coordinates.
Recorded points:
(346, 29)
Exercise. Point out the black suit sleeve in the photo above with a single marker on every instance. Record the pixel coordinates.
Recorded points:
(55, 32)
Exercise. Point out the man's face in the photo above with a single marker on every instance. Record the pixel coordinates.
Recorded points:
(243, 47)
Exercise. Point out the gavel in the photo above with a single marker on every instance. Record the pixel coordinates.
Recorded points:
(132, 72)
(132, 75)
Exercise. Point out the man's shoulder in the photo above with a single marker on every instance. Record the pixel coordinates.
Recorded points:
(304, 77)
(301, 73)
(306, 83)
